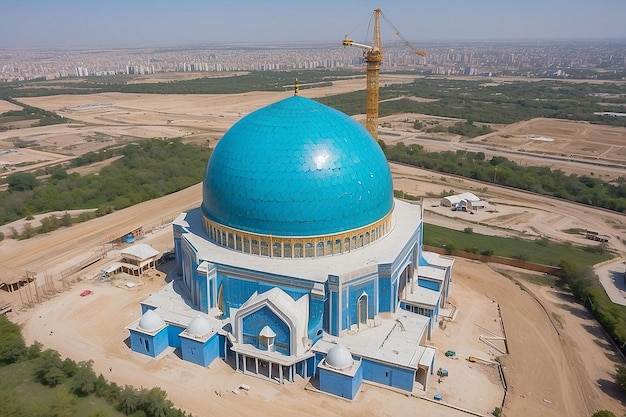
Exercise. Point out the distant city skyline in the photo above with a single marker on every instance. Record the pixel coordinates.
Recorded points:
(140, 23)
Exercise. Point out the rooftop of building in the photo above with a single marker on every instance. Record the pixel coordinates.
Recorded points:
(395, 341)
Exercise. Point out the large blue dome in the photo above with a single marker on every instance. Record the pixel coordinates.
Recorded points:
(297, 168)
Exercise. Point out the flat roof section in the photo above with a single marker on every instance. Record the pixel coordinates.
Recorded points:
(422, 296)
(431, 272)
(434, 259)
(174, 307)
(395, 340)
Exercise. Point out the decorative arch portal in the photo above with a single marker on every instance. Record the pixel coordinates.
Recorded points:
(361, 309)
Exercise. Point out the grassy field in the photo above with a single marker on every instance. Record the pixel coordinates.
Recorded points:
(540, 251)
(18, 385)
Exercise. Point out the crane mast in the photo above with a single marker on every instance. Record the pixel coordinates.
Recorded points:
(373, 57)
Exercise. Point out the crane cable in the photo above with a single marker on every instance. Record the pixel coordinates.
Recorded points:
(405, 40)
(369, 25)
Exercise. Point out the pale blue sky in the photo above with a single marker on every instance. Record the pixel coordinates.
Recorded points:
(136, 23)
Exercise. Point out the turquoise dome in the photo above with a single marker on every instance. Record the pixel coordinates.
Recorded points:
(297, 168)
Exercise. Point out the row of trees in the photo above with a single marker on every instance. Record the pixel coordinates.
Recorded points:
(148, 170)
(27, 112)
(73, 381)
(502, 103)
(499, 170)
(467, 129)
(253, 81)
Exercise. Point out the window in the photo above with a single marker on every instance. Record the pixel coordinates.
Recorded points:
(309, 250)
(319, 249)
(297, 250)
(276, 250)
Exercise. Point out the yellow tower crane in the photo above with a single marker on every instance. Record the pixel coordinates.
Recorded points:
(374, 57)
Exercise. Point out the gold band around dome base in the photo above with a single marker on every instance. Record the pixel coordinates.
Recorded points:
(296, 247)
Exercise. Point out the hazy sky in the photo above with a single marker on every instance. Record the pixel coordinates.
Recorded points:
(131, 23)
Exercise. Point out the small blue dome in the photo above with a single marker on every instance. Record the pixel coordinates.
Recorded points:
(297, 168)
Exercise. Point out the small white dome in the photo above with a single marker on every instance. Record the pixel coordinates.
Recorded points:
(199, 326)
(151, 321)
(339, 357)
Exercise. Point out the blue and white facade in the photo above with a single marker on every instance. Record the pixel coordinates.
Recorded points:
(298, 250)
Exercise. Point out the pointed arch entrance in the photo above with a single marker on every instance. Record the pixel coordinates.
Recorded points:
(361, 309)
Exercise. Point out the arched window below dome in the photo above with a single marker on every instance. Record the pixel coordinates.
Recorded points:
(277, 250)
(264, 248)
(346, 244)
(359, 243)
(298, 251)
(287, 250)
(246, 245)
(367, 238)
(308, 250)
(239, 243)
(254, 247)
(337, 247)
(319, 249)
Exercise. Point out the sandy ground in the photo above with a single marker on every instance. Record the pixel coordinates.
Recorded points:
(5, 106)
(509, 212)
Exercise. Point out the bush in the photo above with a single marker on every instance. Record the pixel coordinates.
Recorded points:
(603, 413)
(468, 230)
(450, 248)
(523, 256)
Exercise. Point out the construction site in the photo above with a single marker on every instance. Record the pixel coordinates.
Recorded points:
(501, 341)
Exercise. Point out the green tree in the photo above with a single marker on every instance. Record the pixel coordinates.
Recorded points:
(156, 403)
(620, 377)
(129, 400)
(21, 181)
(12, 346)
(27, 231)
(84, 380)
(66, 219)
(106, 390)
(49, 370)
(58, 173)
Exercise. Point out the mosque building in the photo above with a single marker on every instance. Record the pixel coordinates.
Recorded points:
(300, 263)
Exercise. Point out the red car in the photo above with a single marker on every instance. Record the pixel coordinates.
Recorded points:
(86, 292)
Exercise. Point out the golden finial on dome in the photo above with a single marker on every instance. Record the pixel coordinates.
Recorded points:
(295, 93)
